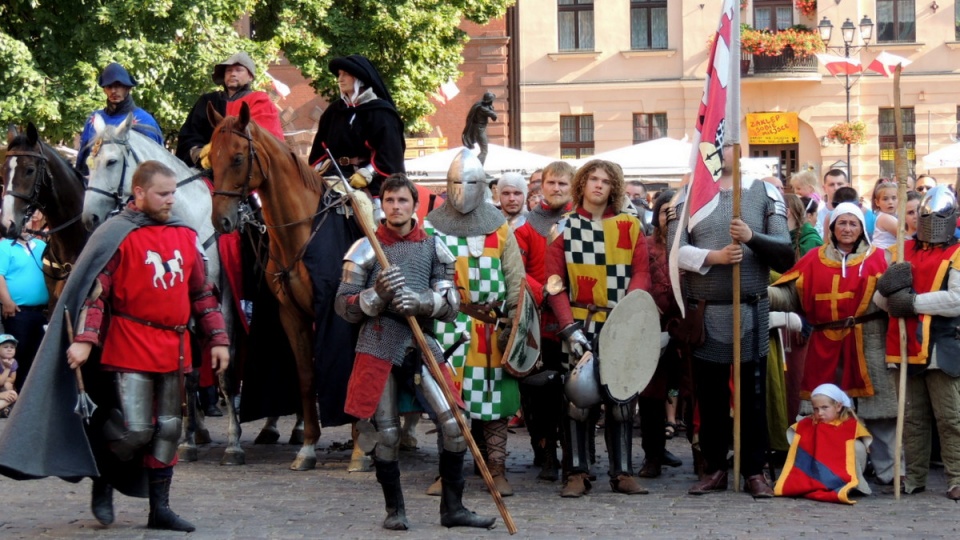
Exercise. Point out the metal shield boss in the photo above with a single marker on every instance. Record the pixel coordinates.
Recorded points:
(582, 386)
(466, 182)
(523, 349)
(630, 346)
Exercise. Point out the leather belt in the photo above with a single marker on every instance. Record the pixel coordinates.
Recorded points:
(32, 308)
(344, 161)
(850, 322)
(744, 299)
(591, 310)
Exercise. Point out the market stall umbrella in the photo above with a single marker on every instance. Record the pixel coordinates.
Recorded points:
(659, 157)
(500, 159)
(945, 158)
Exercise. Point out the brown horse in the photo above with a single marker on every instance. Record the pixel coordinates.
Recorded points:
(298, 208)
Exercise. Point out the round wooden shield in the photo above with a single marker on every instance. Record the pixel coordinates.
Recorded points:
(630, 346)
(523, 349)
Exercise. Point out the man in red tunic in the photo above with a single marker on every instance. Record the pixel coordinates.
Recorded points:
(543, 403)
(149, 288)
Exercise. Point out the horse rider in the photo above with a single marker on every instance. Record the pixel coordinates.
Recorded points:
(116, 83)
(362, 128)
(235, 75)
(145, 348)
(418, 282)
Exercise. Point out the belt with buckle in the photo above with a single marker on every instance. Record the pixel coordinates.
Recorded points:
(344, 161)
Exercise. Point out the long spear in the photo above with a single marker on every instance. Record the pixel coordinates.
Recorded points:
(429, 360)
(733, 128)
(900, 166)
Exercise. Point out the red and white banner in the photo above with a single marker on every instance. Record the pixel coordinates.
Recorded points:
(447, 91)
(712, 124)
(886, 63)
(839, 65)
(718, 121)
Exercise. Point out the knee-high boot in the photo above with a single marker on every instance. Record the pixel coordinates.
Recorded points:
(388, 474)
(101, 501)
(161, 516)
(452, 511)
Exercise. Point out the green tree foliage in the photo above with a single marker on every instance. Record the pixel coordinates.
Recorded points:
(51, 52)
(416, 44)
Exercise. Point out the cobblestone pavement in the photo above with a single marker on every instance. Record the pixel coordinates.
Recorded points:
(264, 499)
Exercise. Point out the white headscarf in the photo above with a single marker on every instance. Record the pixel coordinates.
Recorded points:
(849, 208)
(833, 392)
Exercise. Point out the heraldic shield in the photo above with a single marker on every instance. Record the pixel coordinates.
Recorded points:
(523, 349)
(630, 346)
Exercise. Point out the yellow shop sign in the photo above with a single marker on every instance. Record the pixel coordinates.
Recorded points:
(773, 128)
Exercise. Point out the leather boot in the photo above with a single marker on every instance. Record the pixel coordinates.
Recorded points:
(577, 435)
(758, 487)
(710, 483)
(550, 468)
(577, 485)
(619, 438)
(452, 511)
(388, 474)
(101, 501)
(499, 473)
(161, 516)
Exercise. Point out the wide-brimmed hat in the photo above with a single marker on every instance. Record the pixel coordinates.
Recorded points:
(240, 58)
(8, 337)
(115, 73)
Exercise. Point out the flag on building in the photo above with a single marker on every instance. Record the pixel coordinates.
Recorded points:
(278, 87)
(718, 121)
(839, 65)
(886, 63)
(447, 91)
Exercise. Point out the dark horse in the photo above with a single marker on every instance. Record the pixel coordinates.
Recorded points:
(299, 212)
(36, 177)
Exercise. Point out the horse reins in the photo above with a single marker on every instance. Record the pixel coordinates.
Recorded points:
(283, 275)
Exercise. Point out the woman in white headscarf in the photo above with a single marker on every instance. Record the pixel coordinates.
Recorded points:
(832, 287)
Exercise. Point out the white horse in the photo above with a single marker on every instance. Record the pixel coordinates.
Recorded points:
(117, 150)
(161, 268)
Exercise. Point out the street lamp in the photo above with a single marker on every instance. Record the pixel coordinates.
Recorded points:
(847, 31)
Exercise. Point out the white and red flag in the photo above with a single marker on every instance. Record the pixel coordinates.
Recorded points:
(447, 91)
(885, 63)
(718, 121)
(839, 65)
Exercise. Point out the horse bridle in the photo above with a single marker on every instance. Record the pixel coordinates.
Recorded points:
(244, 210)
(32, 200)
(116, 195)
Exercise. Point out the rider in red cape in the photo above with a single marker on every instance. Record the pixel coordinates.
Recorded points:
(117, 442)
(235, 75)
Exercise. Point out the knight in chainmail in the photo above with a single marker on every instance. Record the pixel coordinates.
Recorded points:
(541, 394)
(758, 241)
(489, 272)
(418, 283)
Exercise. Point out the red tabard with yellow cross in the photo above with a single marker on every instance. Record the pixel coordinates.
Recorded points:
(599, 256)
(151, 283)
(829, 292)
(930, 268)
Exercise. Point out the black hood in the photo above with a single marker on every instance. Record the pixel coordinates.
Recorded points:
(362, 69)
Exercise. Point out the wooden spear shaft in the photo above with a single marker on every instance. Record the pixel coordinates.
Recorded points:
(736, 328)
(900, 166)
(434, 369)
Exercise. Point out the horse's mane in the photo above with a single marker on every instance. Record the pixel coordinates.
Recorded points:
(311, 180)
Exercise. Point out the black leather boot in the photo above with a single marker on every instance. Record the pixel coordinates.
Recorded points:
(452, 511)
(101, 502)
(161, 516)
(388, 474)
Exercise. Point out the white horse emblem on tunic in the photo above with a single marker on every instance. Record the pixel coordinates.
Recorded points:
(161, 268)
